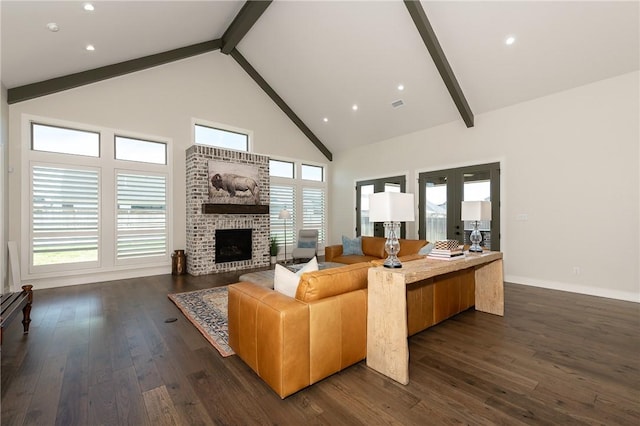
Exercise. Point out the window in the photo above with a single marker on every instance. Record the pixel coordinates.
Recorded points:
(282, 197)
(281, 168)
(313, 211)
(312, 173)
(221, 138)
(300, 188)
(94, 214)
(64, 141)
(141, 150)
(65, 215)
(141, 215)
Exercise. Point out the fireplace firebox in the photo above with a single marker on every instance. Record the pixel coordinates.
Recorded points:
(233, 245)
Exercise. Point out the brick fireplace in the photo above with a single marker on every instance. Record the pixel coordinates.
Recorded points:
(205, 217)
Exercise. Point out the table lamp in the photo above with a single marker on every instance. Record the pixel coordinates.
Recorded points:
(476, 211)
(391, 208)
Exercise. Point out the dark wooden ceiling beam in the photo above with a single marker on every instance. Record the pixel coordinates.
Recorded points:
(235, 54)
(58, 84)
(440, 60)
(244, 20)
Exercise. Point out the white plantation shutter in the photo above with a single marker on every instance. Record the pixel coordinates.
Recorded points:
(65, 215)
(313, 211)
(141, 215)
(282, 196)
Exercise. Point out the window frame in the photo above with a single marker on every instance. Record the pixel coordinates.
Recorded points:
(223, 127)
(34, 123)
(31, 232)
(107, 267)
(322, 172)
(137, 260)
(115, 149)
(297, 220)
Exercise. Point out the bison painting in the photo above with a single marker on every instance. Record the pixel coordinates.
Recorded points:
(232, 183)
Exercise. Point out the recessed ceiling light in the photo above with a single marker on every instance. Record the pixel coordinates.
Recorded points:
(354, 107)
(325, 119)
(401, 87)
(90, 47)
(510, 40)
(89, 7)
(53, 27)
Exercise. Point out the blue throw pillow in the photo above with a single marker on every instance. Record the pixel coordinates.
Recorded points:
(306, 244)
(426, 249)
(352, 246)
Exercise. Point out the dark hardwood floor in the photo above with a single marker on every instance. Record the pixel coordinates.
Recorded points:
(102, 354)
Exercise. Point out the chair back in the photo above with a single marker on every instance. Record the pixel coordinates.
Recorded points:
(308, 238)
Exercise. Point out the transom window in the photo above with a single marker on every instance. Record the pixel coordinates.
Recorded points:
(315, 173)
(282, 169)
(221, 138)
(141, 150)
(64, 141)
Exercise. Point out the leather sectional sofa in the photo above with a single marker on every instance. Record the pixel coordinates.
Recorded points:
(372, 249)
(292, 343)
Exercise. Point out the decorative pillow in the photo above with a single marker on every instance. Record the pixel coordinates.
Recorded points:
(306, 244)
(425, 250)
(352, 246)
(286, 282)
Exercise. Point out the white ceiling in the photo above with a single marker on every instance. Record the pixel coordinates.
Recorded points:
(321, 57)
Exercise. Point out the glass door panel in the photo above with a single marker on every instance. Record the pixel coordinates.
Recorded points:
(440, 197)
(435, 217)
(366, 188)
(366, 227)
(477, 187)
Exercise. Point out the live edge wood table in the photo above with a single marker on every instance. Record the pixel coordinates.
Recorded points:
(387, 345)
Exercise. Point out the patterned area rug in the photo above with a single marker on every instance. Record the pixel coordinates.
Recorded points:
(207, 310)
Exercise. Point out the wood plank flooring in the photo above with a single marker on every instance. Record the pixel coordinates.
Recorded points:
(102, 354)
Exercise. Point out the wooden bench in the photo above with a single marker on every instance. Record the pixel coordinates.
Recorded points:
(12, 303)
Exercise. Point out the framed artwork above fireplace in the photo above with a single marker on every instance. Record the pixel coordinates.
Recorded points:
(233, 183)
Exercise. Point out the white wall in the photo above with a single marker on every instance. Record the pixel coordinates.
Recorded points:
(569, 161)
(162, 101)
(4, 225)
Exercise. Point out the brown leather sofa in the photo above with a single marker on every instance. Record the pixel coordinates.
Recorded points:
(292, 343)
(372, 249)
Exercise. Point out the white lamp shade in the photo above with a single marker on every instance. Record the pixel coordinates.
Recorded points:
(391, 207)
(284, 214)
(476, 210)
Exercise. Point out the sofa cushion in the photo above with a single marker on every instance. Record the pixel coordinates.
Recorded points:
(351, 246)
(352, 259)
(286, 282)
(374, 246)
(410, 246)
(331, 282)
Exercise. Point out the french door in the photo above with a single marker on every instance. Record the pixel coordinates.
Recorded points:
(440, 196)
(368, 187)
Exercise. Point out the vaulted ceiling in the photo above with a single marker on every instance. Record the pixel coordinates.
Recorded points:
(323, 57)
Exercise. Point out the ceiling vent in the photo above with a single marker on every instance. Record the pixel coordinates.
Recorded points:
(397, 104)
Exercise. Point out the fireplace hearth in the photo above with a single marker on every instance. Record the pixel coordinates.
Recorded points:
(233, 245)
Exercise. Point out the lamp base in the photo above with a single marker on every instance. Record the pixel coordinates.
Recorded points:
(392, 262)
(392, 246)
(476, 238)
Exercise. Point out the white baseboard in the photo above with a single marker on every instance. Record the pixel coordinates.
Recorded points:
(575, 288)
(41, 283)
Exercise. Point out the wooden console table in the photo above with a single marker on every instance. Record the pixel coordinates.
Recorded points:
(387, 346)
